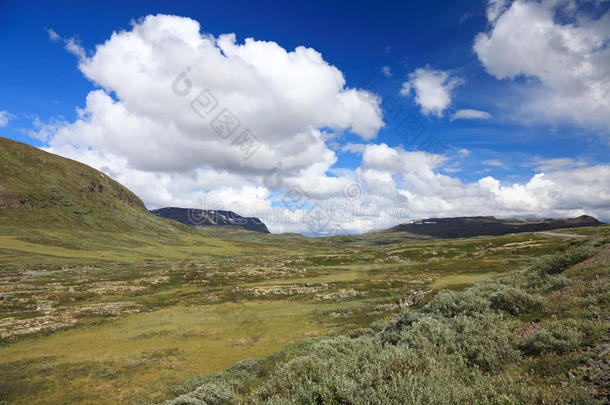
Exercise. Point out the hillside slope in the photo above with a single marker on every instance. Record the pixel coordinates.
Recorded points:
(43, 190)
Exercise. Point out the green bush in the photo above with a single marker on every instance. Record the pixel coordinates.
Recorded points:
(486, 341)
(223, 388)
(514, 300)
(558, 263)
(210, 393)
(452, 303)
(560, 336)
(392, 331)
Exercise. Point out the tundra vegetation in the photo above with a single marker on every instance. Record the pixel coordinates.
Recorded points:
(498, 319)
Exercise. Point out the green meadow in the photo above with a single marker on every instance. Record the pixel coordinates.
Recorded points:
(119, 318)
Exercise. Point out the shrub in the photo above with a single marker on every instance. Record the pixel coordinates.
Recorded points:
(452, 303)
(209, 393)
(560, 336)
(457, 349)
(392, 331)
(558, 263)
(222, 388)
(431, 335)
(514, 300)
(486, 341)
(599, 290)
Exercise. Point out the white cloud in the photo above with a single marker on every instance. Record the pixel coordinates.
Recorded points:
(464, 152)
(548, 165)
(452, 169)
(75, 48)
(432, 89)
(570, 60)
(386, 71)
(5, 117)
(570, 192)
(142, 129)
(72, 45)
(353, 147)
(53, 36)
(493, 162)
(469, 114)
(495, 8)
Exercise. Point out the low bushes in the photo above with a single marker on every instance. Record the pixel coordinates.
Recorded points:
(514, 300)
(223, 388)
(560, 336)
(558, 263)
(461, 347)
(452, 303)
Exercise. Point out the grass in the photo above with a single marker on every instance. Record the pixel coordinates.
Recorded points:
(459, 280)
(140, 350)
(197, 303)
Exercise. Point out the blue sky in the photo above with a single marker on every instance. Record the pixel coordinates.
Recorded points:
(40, 81)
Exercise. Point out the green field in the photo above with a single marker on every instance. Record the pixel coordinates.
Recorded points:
(96, 321)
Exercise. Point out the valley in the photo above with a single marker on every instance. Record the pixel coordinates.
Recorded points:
(145, 326)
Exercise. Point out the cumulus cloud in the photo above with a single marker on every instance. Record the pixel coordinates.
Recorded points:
(469, 114)
(561, 193)
(432, 89)
(5, 117)
(569, 58)
(386, 71)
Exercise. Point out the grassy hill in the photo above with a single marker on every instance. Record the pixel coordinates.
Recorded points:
(41, 190)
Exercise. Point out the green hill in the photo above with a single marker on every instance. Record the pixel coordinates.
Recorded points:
(53, 208)
(39, 189)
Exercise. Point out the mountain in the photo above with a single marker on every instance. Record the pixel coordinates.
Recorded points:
(198, 217)
(462, 227)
